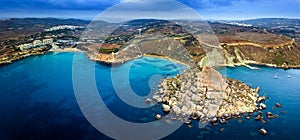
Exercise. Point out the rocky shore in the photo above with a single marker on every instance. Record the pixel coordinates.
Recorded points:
(206, 96)
(38, 51)
(131, 52)
(20, 55)
(250, 63)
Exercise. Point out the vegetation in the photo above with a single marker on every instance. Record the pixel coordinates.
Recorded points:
(108, 51)
(279, 60)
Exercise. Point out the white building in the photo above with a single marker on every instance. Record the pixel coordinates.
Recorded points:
(37, 43)
(26, 46)
(47, 41)
(54, 46)
(62, 27)
(90, 41)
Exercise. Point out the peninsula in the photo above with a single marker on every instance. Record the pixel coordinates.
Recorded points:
(200, 92)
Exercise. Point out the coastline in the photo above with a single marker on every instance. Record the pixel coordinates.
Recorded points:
(247, 63)
(165, 57)
(10, 61)
(66, 50)
(38, 52)
(129, 59)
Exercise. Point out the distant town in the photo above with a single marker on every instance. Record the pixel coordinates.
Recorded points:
(56, 38)
(53, 40)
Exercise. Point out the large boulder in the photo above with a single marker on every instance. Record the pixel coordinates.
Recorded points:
(262, 106)
(263, 131)
(166, 108)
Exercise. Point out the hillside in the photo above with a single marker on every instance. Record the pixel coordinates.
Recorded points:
(22, 27)
(284, 26)
(251, 45)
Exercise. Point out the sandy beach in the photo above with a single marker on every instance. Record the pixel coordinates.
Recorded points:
(66, 50)
(167, 58)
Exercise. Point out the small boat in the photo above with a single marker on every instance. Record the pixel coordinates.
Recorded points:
(275, 77)
(288, 76)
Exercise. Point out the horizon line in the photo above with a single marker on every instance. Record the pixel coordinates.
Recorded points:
(90, 19)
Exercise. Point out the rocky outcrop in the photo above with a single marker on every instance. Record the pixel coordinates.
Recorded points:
(206, 96)
(18, 55)
(129, 53)
(263, 131)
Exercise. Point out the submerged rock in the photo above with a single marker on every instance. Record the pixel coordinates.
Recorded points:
(278, 105)
(253, 134)
(240, 121)
(215, 124)
(258, 117)
(222, 129)
(271, 116)
(148, 101)
(263, 121)
(168, 121)
(248, 117)
(188, 122)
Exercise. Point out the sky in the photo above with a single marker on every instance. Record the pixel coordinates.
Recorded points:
(208, 9)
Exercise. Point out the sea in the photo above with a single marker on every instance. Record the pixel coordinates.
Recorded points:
(37, 100)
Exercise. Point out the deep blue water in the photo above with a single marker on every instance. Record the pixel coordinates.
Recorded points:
(37, 100)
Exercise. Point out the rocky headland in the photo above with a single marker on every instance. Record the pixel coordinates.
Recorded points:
(206, 96)
(17, 55)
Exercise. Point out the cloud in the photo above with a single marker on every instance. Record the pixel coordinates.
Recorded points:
(214, 9)
(58, 4)
(207, 4)
(158, 9)
(249, 9)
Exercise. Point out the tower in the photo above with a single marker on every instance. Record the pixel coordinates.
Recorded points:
(140, 31)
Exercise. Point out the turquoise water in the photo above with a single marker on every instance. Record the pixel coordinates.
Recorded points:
(37, 100)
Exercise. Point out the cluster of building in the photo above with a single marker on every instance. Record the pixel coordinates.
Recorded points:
(62, 27)
(240, 24)
(36, 44)
(58, 44)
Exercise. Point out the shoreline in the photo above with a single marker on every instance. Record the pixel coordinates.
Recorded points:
(247, 63)
(166, 58)
(11, 61)
(66, 50)
(251, 65)
(20, 57)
